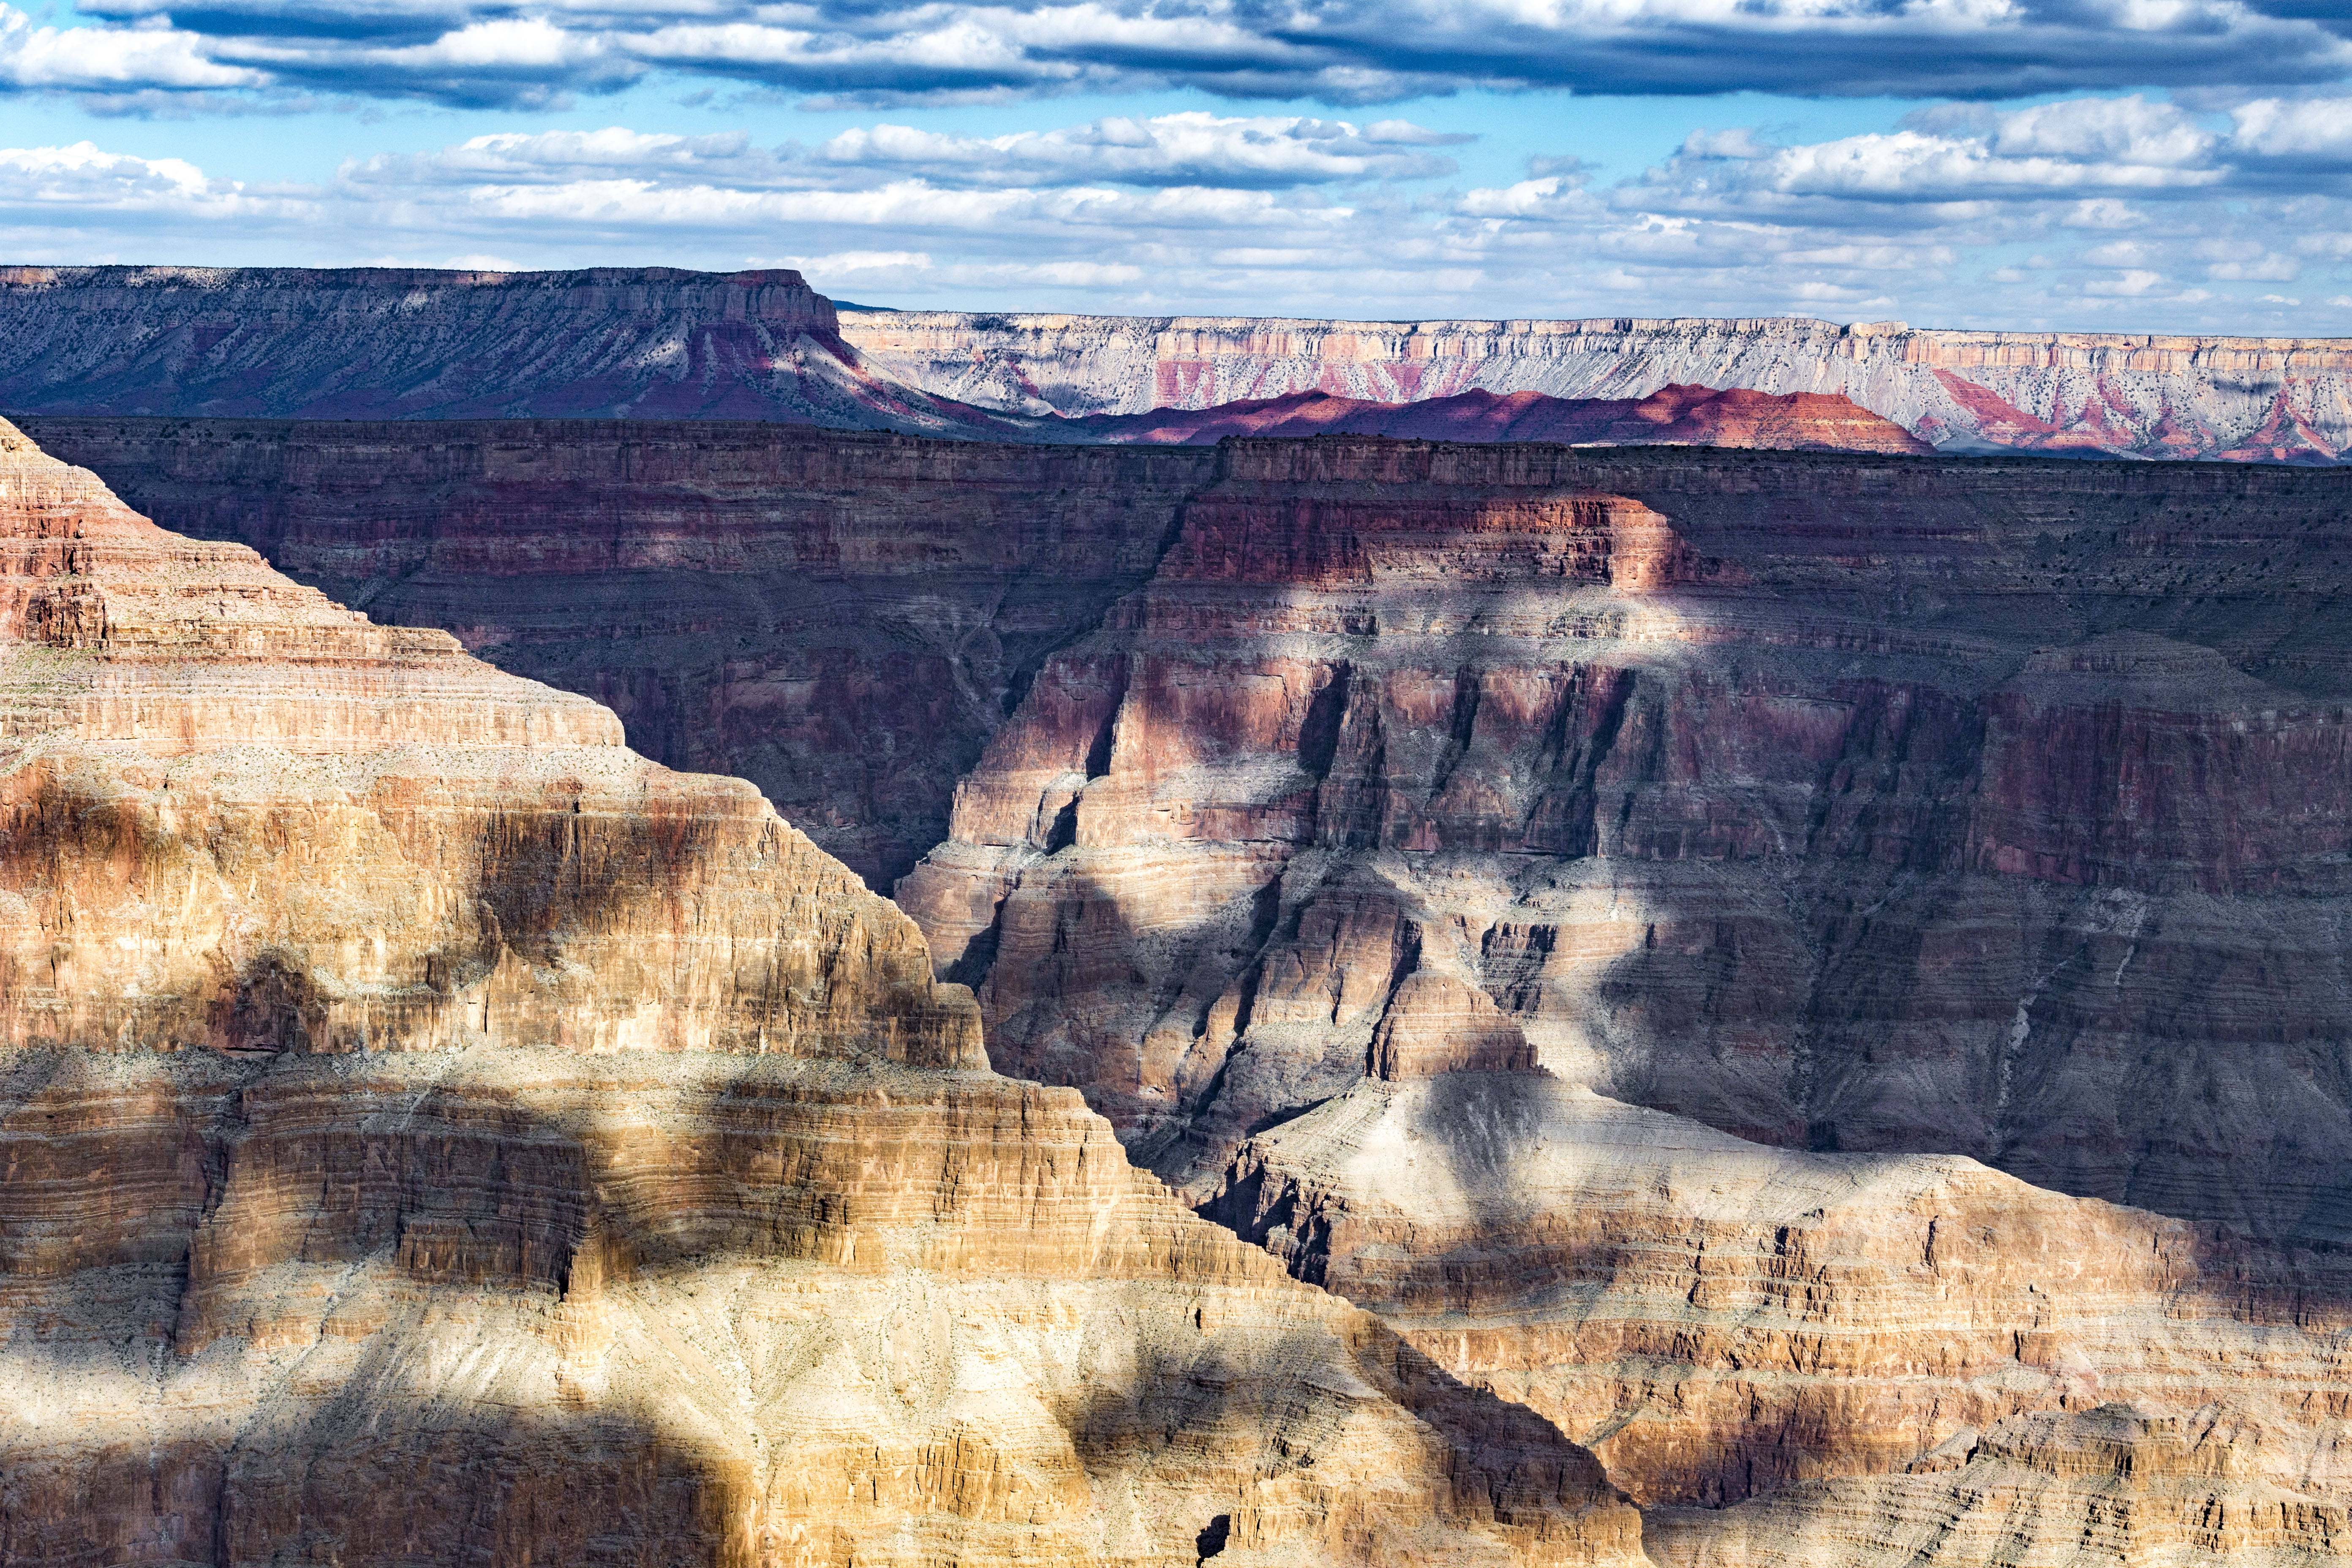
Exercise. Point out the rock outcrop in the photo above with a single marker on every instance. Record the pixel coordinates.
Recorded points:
(1673, 416)
(2083, 394)
(2107, 1485)
(1992, 808)
(1719, 1320)
(430, 1132)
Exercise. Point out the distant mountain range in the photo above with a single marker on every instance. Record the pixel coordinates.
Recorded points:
(662, 344)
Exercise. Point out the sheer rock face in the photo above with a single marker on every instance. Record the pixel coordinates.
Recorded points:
(236, 815)
(2267, 399)
(1901, 810)
(431, 1132)
(1834, 803)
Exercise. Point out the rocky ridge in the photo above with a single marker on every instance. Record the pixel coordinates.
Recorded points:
(432, 1132)
(2083, 394)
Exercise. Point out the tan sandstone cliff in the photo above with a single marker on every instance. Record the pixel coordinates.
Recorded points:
(430, 1132)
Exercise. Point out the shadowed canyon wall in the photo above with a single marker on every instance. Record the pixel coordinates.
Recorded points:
(842, 619)
(1705, 943)
(431, 1132)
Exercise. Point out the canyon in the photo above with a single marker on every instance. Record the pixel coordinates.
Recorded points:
(660, 343)
(430, 1131)
(1820, 977)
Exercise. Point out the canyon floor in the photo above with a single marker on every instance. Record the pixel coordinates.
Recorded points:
(1809, 990)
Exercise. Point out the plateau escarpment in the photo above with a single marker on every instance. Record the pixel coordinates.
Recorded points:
(2083, 394)
(381, 342)
(432, 1132)
(662, 344)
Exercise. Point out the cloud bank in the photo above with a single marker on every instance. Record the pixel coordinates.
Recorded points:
(475, 53)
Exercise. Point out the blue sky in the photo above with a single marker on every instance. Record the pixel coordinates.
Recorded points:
(2144, 165)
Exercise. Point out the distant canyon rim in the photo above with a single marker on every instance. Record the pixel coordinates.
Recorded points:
(664, 343)
(1804, 992)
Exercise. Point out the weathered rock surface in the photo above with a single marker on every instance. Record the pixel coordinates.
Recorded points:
(2086, 393)
(1673, 416)
(843, 620)
(2107, 1485)
(1719, 1319)
(1914, 821)
(1838, 802)
(430, 1132)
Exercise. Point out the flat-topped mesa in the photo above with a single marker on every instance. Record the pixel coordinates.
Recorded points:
(412, 342)
(2268, 399)
(435, 1135)
(185, 731)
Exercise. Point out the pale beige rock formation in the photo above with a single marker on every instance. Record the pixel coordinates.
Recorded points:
(430, 1132)
(1718, 1318)
(2107, 1485)
(2249, 398)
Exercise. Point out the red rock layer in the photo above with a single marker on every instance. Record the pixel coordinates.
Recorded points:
(434, 1133)
(1673, 416)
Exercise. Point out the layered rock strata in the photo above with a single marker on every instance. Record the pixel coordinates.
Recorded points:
(1609, 917)
(843, 620)
(1449, 855)
(1983, 808)
(660, 343)
(1720, 1319)
(434, 1133)
(2107, 1485)
(2088, 393)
